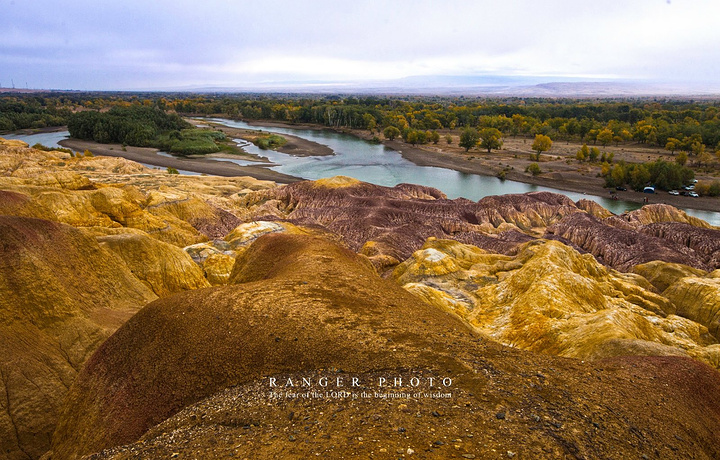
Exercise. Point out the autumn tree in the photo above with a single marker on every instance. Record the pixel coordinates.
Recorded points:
(681, 159)
(605, 137)
(490, 138)
(583, 153)
(541, 144)
(594, 154)
(370, 122)
(673, 144)
(469, 138)
(411, 136)
(434, 137)
(697, 148)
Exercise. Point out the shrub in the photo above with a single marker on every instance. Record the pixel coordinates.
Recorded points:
(172, 170)
(534, 169)
(705, 188)
(270, 141)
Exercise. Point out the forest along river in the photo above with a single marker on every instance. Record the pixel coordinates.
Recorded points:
(379, 165)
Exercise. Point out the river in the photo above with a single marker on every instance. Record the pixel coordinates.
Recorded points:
(380, 165)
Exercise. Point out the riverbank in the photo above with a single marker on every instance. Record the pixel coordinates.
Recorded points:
(199, 165)
(560, 170)
(567, 180)
(295, 146)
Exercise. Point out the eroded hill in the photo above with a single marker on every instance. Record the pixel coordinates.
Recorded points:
(308, 282)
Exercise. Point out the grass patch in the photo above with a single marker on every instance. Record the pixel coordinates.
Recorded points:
(269, 141)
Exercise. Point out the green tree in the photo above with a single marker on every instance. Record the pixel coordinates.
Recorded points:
(469, 138)
(490, 138)
(391, 132)
(448, 139)
(541, 144)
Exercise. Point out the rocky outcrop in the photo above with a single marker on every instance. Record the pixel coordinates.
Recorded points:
(61, 295)
(657, 213)
(165, 268)
(698, 298)
(704, 242)
(114, 192)
(189, 376)
(217, 257)
(663, 274)
(551, 299)
(623, 248)
(388, 224)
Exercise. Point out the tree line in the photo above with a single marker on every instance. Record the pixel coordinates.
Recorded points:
(144, 126)
(686, 126)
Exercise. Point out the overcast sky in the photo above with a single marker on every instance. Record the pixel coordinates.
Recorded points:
(131, 44)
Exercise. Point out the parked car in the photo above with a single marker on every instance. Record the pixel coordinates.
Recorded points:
(693, 194)
(689, 187)
(674, 192)
(621, 188)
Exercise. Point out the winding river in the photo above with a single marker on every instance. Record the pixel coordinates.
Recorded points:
(380, 165)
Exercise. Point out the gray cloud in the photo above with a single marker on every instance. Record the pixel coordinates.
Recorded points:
(131, 44)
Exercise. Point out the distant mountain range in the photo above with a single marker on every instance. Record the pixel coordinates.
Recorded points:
(486, 85)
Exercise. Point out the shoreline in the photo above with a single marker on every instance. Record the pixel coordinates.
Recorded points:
(588, 185)
(210, 166)
(295, 146)
(475, 162)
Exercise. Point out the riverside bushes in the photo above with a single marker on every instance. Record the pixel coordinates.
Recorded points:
(270, 141)
(144, 127)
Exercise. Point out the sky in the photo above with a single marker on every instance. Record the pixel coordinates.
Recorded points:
(159, 44)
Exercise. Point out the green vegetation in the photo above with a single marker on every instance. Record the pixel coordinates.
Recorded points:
(144, 127)
(45, 148)
(661, 174)
(534, 169)
(171, 170)
(704, 188)
(686, 124)
(687, 129)
(469, 138)
(391, 132)
(269, 141)
(32, 112)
